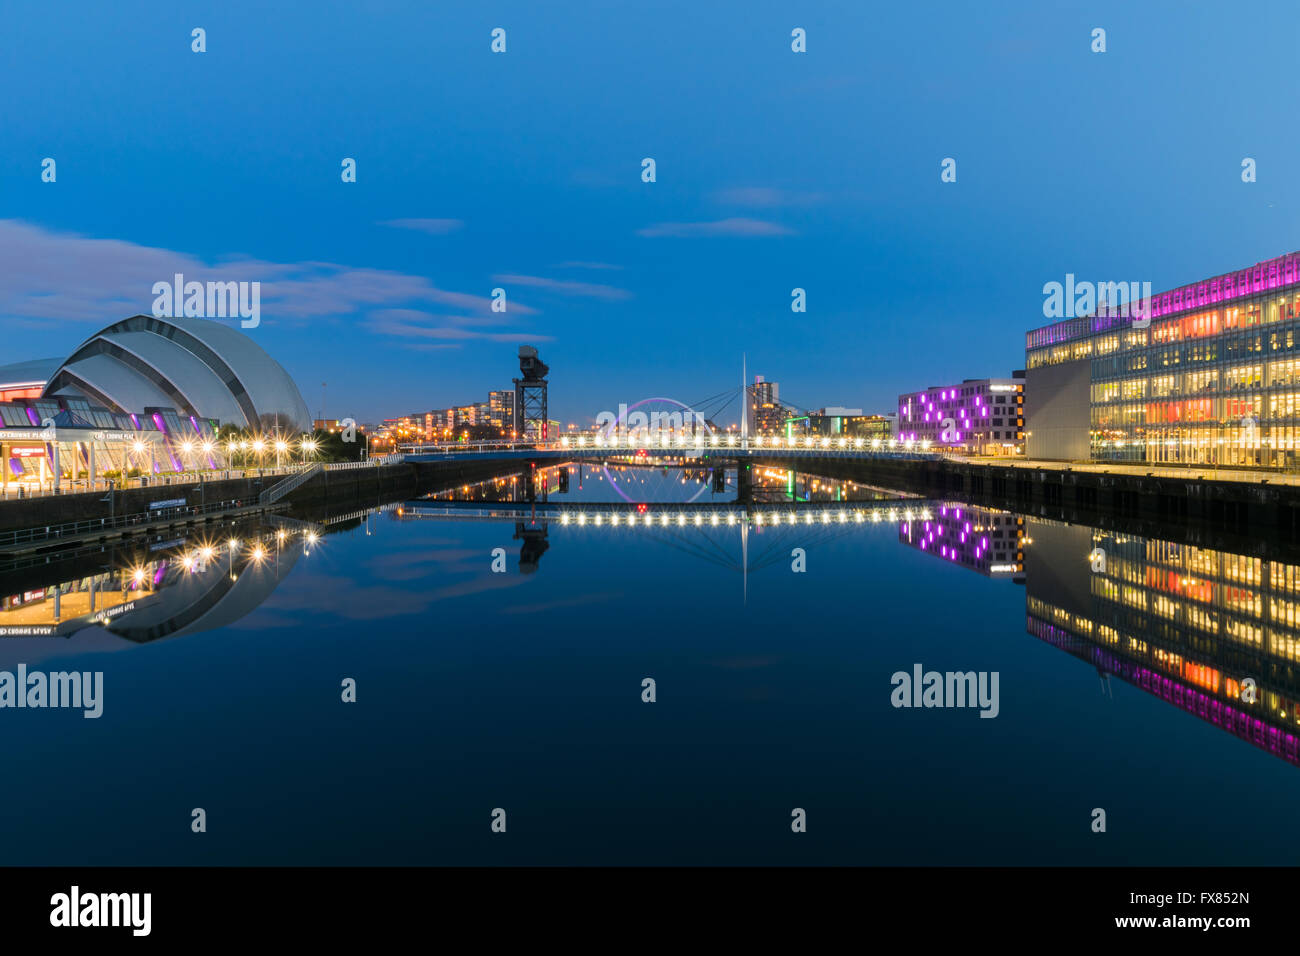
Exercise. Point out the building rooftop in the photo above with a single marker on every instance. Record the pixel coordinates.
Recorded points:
(1263, 276)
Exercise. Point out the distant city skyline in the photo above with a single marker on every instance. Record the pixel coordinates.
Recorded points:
(522, 171)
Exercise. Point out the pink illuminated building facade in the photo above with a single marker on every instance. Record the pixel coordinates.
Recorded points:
(984, 416)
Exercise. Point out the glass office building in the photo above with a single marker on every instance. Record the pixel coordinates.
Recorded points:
(1214, 632)
(1210, 377)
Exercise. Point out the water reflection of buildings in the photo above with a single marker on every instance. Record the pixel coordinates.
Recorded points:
(1185, 623)
(189, 586)
(1202, 629)
(980, 539)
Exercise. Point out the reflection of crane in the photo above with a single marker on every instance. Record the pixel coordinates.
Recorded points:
(534, 546)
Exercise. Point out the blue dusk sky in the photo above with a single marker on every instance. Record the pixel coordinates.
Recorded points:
(522, 170)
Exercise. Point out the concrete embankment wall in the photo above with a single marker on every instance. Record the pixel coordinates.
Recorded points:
(17, 513)
(335, 490)
(1064, 494)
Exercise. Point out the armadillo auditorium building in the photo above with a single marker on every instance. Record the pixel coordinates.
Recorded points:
(1210, 377)
(145, 394)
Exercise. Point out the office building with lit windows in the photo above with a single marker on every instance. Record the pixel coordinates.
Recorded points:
(1210, 377)
(1184, 623)
(981, 415)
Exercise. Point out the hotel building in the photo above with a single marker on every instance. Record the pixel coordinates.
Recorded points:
(983, 415)
(1211, 376)
(979, 539)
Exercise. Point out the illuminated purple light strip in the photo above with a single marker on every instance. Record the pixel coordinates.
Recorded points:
(1225, 716)
(1262, 277)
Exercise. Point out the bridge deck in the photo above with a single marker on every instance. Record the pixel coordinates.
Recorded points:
(686, 453)
(685, 513)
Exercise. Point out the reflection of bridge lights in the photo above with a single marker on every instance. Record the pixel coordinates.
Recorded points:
(188, 562)
(233, 544)
(312, 537)
(208, 551)
(258, 554)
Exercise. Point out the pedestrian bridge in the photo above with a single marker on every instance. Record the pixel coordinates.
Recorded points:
(678, 515)
(677, 448)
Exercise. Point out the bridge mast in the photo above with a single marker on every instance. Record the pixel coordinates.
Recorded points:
(744, 400)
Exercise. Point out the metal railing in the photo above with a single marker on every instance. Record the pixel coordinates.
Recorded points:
(688, 445)
(367, 463)
(281, 488)
(80, 486)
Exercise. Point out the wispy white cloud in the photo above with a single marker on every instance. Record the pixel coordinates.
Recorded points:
(736, 226)
(589, 290)
(767, 198)
(434, 227)
(587, 265)
(449, 330)
(52, 275)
